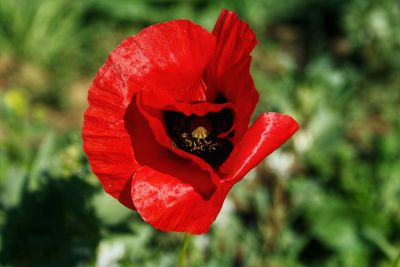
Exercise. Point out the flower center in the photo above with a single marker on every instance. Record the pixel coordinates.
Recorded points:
(199, 135)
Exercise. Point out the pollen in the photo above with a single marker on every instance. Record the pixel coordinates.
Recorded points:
(200, 133)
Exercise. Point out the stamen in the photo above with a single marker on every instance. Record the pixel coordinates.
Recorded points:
(198, 135)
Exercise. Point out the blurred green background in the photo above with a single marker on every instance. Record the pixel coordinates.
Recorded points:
(329, 197)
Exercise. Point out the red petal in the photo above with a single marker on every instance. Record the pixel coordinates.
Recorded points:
(228, 73)
(187, 108)
(105, 139)
(240, 90)
(169, 204)
(235, 41)
(167, 60)
(268, 133)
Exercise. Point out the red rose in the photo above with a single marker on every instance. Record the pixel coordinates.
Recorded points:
(166, 131)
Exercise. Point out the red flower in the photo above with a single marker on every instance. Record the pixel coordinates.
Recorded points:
(166, 131)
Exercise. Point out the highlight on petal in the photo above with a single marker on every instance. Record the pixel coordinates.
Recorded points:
(269, 132)
(169, 204)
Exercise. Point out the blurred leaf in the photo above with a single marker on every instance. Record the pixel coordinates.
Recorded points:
(41, 161)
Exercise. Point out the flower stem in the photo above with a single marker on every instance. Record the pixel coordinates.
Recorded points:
(185, 245)
(397, 261)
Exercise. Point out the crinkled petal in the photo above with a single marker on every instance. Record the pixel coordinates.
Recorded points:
(169, 204)
(269, 132)
(240, 90)
(105, 139)
(235, 41)
(167, 60)
(228, 73)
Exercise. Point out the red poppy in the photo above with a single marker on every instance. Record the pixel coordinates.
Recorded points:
(166, 131)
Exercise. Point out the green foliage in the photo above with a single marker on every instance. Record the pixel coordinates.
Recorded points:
(327, 198)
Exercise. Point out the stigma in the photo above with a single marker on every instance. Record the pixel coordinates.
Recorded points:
(200, 133)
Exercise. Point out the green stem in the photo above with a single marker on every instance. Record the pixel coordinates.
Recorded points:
(397, 261)
(185, 245)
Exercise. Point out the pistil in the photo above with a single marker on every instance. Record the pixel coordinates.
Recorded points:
(200, 133)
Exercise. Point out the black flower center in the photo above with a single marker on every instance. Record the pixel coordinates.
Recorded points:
(204, 136)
